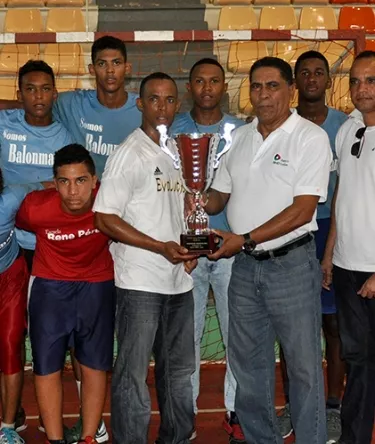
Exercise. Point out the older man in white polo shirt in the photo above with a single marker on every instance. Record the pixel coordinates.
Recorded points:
(351, 247)
(272, 181)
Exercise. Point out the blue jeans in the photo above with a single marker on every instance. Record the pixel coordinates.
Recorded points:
(216, 273)
(163, 325)
(278, 297)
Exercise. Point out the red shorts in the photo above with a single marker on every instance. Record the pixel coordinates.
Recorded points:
(13, 304)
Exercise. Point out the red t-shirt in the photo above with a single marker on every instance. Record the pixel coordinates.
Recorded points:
(68, 247)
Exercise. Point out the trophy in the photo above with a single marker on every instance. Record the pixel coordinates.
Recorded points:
(195, 155)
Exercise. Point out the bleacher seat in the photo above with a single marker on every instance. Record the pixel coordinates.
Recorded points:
(271, 2)
(23, 3)
(231, 2)
(290, 51)
(69, 84)
(66, 3)
(318, 18)
(12, 57)
(65, 58)
(237, 18)
(338, 53)
(370, 45)
(343, 2)
(23, 20)
(278, 17)
(8, 89)
(65, 20)
(310, 2)
(242, 55)
(357, 17)
(244, 103)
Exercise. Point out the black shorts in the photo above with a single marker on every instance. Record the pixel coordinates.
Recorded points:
(66, 312)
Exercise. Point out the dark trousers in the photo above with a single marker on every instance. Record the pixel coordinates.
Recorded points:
(163, 325)
(356, 316)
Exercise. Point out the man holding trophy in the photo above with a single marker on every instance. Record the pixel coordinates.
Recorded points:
(207, 87)
(140, 205)
(271, 181)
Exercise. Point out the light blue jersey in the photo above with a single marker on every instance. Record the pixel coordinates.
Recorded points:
(331, 125)
(27, 151)
(10, 200)
(184, 123)
(96, 127)
(27, 154)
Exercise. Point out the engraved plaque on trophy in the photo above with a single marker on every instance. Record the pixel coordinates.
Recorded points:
(195, 155)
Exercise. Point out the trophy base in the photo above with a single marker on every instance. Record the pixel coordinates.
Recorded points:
(199, 243)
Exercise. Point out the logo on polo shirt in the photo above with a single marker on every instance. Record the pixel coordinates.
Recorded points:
(279, 160)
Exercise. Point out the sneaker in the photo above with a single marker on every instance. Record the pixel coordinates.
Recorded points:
(20, 423)
(10, 436)
(285, 422)
(232, 426)
(193, 435)
(41, 425)
(88, 440)
(73, 435)
(333, 425)
(62, 441)
(101, 434)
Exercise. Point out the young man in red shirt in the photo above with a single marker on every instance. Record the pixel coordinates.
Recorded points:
(72, 295)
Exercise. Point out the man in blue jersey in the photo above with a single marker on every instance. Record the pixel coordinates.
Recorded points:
(207, 87)
(14, 278)
(28, 140)
(312, 81)
(101, 119)
(29, 137)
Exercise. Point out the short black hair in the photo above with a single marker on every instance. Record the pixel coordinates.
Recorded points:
(274, 62)
(154, 76)
(310, 55)
(71, 154)
(1, 182)
(365, 55)
(107, 42)
(206, 61)
(35, 66)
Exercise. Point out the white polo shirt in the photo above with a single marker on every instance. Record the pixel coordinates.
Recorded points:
(263, 176)
(141, 186)
(355, 204)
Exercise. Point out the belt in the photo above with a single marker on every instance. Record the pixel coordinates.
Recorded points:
(283, 250)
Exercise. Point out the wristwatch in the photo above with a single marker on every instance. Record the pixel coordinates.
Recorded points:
(249, 244)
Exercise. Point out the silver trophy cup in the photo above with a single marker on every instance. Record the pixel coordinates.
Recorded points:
(196, 156)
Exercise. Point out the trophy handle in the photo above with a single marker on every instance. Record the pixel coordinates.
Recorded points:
(164, 138)
(227, 136)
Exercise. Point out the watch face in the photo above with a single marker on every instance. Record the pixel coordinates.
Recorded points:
(249, 245)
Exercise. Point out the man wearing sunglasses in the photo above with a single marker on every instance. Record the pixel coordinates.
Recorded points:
(350, 247)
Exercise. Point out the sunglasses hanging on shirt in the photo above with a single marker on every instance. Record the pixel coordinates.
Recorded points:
(357, 146)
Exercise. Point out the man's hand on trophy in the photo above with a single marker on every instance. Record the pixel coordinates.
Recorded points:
(175, 253)
(231, 245)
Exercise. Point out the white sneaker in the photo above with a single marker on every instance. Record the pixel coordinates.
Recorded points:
(101, 434)
(10, 436)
